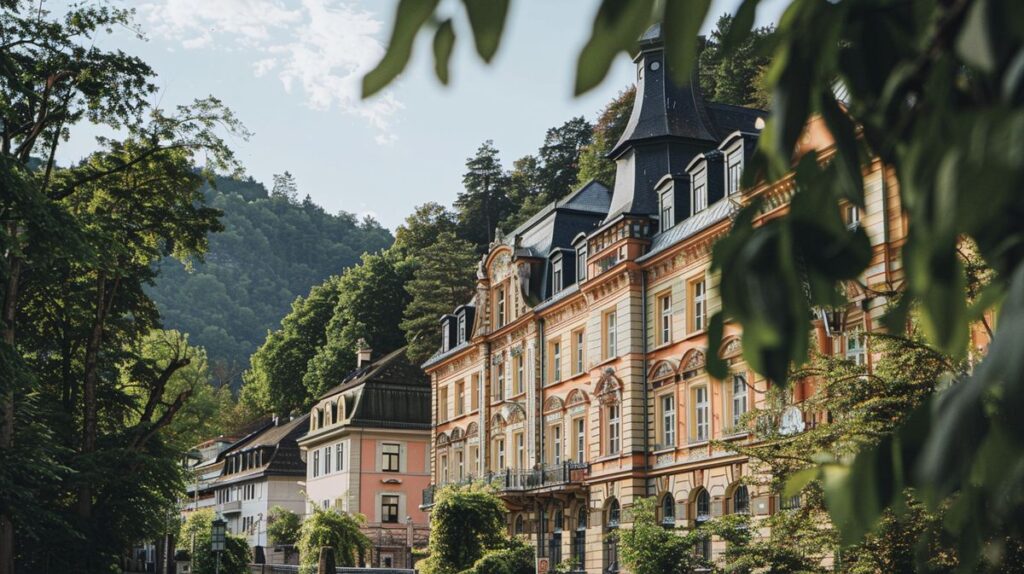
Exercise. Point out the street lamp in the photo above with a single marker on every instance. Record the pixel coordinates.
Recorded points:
(218, 538)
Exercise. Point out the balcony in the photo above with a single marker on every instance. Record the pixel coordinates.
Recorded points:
(233, 507)
(549, 477)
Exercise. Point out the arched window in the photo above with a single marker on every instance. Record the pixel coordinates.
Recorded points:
(668, 511)
(334, 412)
(520, 527)
(702, 514)
(579, 539)
(611, 538)
(555, 544)
(319, 418)
(741, 500)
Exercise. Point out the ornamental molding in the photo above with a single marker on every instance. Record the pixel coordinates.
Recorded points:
(693, 360)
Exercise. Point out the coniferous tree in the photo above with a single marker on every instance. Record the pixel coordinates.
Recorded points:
(422, 228)
(444, 279)
(484, 201)
(735, 76)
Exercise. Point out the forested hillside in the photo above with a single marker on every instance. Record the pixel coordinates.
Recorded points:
(274, 247)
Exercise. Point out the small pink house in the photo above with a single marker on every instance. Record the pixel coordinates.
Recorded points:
(368, 449)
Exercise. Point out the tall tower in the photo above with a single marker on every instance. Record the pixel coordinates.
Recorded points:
(668, 126)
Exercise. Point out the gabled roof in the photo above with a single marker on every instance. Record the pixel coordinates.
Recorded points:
(280, 439)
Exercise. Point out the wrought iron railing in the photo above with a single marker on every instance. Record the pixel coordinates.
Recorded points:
(518, 480)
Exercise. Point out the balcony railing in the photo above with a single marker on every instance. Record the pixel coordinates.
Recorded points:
(233, 507)
(518, 480)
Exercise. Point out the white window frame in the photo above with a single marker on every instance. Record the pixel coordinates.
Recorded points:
(701, 413)
(739, 397)
(501, 307)
(579, 342)
(614, 413)
(665, 313)
(667, 403)
(700, 306)
(667, 210)
(462, 328)
(556, 275)
(733, 171)
(580, 428)
(699, 193)
(556, 444)
(339, 464)
(556, 361)
(611, 334)
(581, 263)
(856, 349)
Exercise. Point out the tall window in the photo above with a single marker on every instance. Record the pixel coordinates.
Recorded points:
(611, 538)
(556, 276)
(733, 172)
(389, 508)
(500, 311)
(701, 414)
(556, 361)
(610, 346)
(499, 453)
(444, 469)
(581, 439)
(666, 210)
(520, 451)
(445, 342)
(474, 393)
(460, 397)
(460, 465)
(855, 348)
(556, 444)
(391, 457)
(462, 328)
(340, 458)
(316, 463)
(520, 374)
(668, 420)
(701, 516)
(499, 382)
(581, 263)
(577, 338)
(327, 460)
(614, 429)
(665, 319)
(852, 217)
(739, 398)
(741, 500)
(579, 538)
(698, 306)
(700, 194)
(442, 404)
(668, 510)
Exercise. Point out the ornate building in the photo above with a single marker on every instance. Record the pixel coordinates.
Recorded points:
(575, 381)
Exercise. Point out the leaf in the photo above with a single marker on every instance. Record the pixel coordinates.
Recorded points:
(487, 18)
(716, 366)
(841, 127)
(682, 22)
(616, 27)
(444, 40)
(973, 44)
(410, 16)
(799, 480)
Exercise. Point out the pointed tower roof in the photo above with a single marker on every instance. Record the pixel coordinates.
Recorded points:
(664, 109)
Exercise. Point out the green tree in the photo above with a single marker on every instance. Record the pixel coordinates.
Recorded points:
(195, 536)
(465, 523)
(736, 75)
(279, 365)
(339, 530)
(934, 92)
(204, 409)
(650, 548)
(283, 526)
(484, 200)
(422, 228)
(372, 298)
(444, 279)
(594, 163)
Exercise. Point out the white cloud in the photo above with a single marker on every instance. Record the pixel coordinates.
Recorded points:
(321, 48)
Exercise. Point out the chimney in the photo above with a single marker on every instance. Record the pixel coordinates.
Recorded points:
(364, 354)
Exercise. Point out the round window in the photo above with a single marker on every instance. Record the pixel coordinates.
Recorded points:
(655, 66)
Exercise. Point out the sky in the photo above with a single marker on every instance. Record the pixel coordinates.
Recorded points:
(291, 71)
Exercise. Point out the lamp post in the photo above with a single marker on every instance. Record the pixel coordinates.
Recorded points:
(218, 536)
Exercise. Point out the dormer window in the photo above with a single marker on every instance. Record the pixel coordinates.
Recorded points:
(556, 275)
(733, 171)
(852, 217)
(462, 328)
(445, 341)
(667, 218)
(699, 199)
(581, 263)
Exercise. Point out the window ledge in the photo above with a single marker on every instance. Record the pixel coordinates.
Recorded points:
(665, 450)
(604, 362)
(696, 443)
(663, 346)
(608, 457)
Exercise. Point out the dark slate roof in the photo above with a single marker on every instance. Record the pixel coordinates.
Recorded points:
(390, 392)
(718, 211)
(573, 213)
(729, 118)
(558, 296)
(285, 458)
